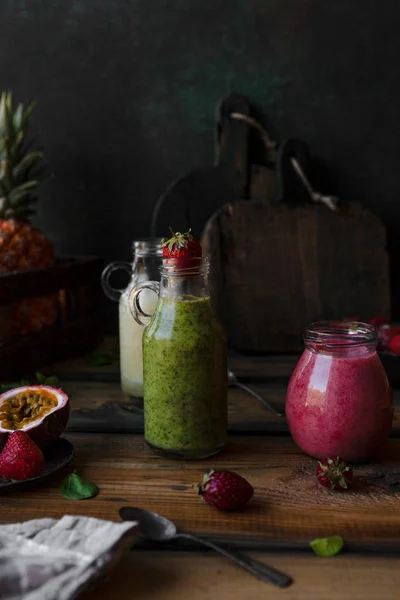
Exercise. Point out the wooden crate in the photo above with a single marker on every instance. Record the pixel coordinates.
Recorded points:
(79, 326)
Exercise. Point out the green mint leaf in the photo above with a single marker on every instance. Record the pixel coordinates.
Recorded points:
(329, 546)
(100, 359)
(40, 378)
(75, 487)
(52, 380)
(10, 386)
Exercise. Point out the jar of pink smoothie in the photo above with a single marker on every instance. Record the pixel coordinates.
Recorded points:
(339, 401)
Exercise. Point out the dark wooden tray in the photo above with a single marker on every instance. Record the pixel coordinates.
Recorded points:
(79, 325)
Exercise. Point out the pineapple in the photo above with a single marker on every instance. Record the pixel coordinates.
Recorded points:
(22, 246)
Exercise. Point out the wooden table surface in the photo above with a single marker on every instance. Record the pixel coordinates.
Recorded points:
(287, 511)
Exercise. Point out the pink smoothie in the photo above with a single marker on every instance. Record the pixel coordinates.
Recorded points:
(339, 405)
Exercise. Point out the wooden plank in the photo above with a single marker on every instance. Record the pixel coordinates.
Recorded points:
(96, 401)
(246, 367)
(155, 575)
(269, 368)
(102, 407)
(289, 507)
(301, 252)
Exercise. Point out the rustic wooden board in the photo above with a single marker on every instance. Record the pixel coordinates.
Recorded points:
(274, 269)
(271, 368)
(173, 576)
(288, 508)
(101, 407)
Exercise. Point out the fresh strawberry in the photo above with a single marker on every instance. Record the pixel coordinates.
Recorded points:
(334, 473)
(394, 344)
(21, 458)
(183, 247)
(378, 321)
(385, 335)
(225, 490)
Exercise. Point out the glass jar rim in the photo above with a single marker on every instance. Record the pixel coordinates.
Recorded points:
(199, 267)
(341, 334)
(147, 247)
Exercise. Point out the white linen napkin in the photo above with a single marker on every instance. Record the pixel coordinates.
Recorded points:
(50, 559)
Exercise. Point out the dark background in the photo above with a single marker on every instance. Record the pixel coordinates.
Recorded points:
(127, 90)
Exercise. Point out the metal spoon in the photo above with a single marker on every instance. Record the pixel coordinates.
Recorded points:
(232, 380)
(156, 528)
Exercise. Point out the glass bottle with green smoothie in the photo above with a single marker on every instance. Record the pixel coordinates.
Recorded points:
(184, 363)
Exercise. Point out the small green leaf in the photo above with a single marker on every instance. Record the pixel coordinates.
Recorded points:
(75, 487)
(40, 378)
(329, 546)
(52, 380)
(100, 359)
(9, 386)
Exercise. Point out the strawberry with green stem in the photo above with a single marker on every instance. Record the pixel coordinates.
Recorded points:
(182, 247)
(334, 473)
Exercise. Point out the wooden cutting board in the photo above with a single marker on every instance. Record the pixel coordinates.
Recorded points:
(241, 170)
(276, 268)
(288, 508)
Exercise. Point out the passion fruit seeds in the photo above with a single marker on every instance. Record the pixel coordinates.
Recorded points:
(25, 407)
(40, 411)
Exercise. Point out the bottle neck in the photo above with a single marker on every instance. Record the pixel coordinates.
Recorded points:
(181, 282)
(147, 256)
(342, 339)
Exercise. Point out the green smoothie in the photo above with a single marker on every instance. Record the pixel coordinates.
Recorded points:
(185, 378)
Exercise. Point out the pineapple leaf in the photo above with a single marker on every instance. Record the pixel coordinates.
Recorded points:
(22, 169)
(27, 115)
(40, 173)
(18, 117)
(6, 175)
(23, 204)
(24, 189)
(23, 194)
(8, 116)
(15, 149)
(3, 109)
(22, 165)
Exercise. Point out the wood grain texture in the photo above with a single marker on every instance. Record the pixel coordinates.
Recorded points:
(288, 507)
(268, 368)
(172, 576)
(274, 269)
(247, 367)
(67, 273)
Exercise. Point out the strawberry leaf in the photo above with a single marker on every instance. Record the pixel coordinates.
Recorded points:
(101, 359)
(329, 546)
(51, 381)
(40, 378)
(10, 386)
(74, 487)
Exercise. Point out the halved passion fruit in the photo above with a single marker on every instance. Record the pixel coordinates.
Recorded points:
(39, 410)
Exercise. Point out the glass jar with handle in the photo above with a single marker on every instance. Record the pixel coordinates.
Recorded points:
(184, 364)
(147, 255)
(339, 401)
